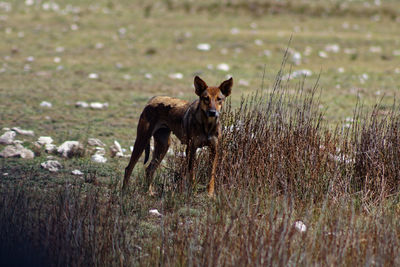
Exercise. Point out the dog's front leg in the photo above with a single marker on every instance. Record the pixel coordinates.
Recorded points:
(213, 161)
(190, 158)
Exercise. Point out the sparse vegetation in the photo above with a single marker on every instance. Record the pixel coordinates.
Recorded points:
(287, 157)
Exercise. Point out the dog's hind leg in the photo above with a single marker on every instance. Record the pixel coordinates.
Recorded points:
(142, 141)
(161, 145)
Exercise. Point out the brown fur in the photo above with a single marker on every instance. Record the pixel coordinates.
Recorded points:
(195, 124)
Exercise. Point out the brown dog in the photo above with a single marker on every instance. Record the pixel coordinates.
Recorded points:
(195, 124)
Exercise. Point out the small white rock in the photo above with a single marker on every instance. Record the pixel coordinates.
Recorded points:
(51, 165)
(298, 73)
(296, 58)
(235, 31)
(81, 104)
(93, 76)
(46, 104)
(100, 150)
(243, 82)
(7, 138)
(116, 150)
(258, 42)
(95, 142)
(176, 76)
(99, 45)
(99, 158)
(77, 172)
(203, 47)
(300, 226)
(44, 140)
(334, 48)
(322, 54)
(17, 150)
(148, 76)
(60, 49)
(223, 67)
(50, 148)
(98, 105)
(68, 147)
(375, 49)
(23, 132)
(155, 212)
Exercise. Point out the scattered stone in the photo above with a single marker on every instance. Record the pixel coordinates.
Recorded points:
(23, 132)
(98, 105)
(100, 150)
(267, 53)
(51, 165)
(77, 172)
(296, 58)
(243, 82)
(17, 150)
(70, 149)
(334, 48)
(322, 54)
(7, 138)
(81, 104)
(44, 140)
(93, 76)
(99, 158)
(396, 53)
(298, 73)
(350, 51)
(258, 42)
(300, 226)
(116, 150)
(60, 49)
(203, 47)
(99, 45)
(46, 104)
(176, 76)
(148, 76)
(155, 212)
(223, 67)
(235, 31)
(50, 148)
(375, 49)
(95, 142)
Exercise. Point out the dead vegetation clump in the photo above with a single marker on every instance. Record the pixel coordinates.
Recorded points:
(290, 191)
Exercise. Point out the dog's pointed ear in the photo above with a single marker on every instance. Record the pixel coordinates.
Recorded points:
(226, 87)
(199, 85)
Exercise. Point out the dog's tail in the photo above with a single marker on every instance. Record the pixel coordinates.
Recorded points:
(146, 153)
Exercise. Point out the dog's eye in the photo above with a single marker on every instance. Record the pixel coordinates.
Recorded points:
(206, 99)
(219, 99)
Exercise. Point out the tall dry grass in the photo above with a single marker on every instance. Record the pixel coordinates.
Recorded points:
(279, 163)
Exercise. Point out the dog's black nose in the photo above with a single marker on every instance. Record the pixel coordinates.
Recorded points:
(212, 113)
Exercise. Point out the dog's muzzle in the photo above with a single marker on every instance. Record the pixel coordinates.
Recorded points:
(212, 113)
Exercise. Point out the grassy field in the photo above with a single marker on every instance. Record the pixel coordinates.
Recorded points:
(323, 162)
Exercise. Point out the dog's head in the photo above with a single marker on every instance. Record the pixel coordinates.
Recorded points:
(211, 97)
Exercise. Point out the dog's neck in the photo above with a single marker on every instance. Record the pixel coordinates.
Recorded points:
(208, 124)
